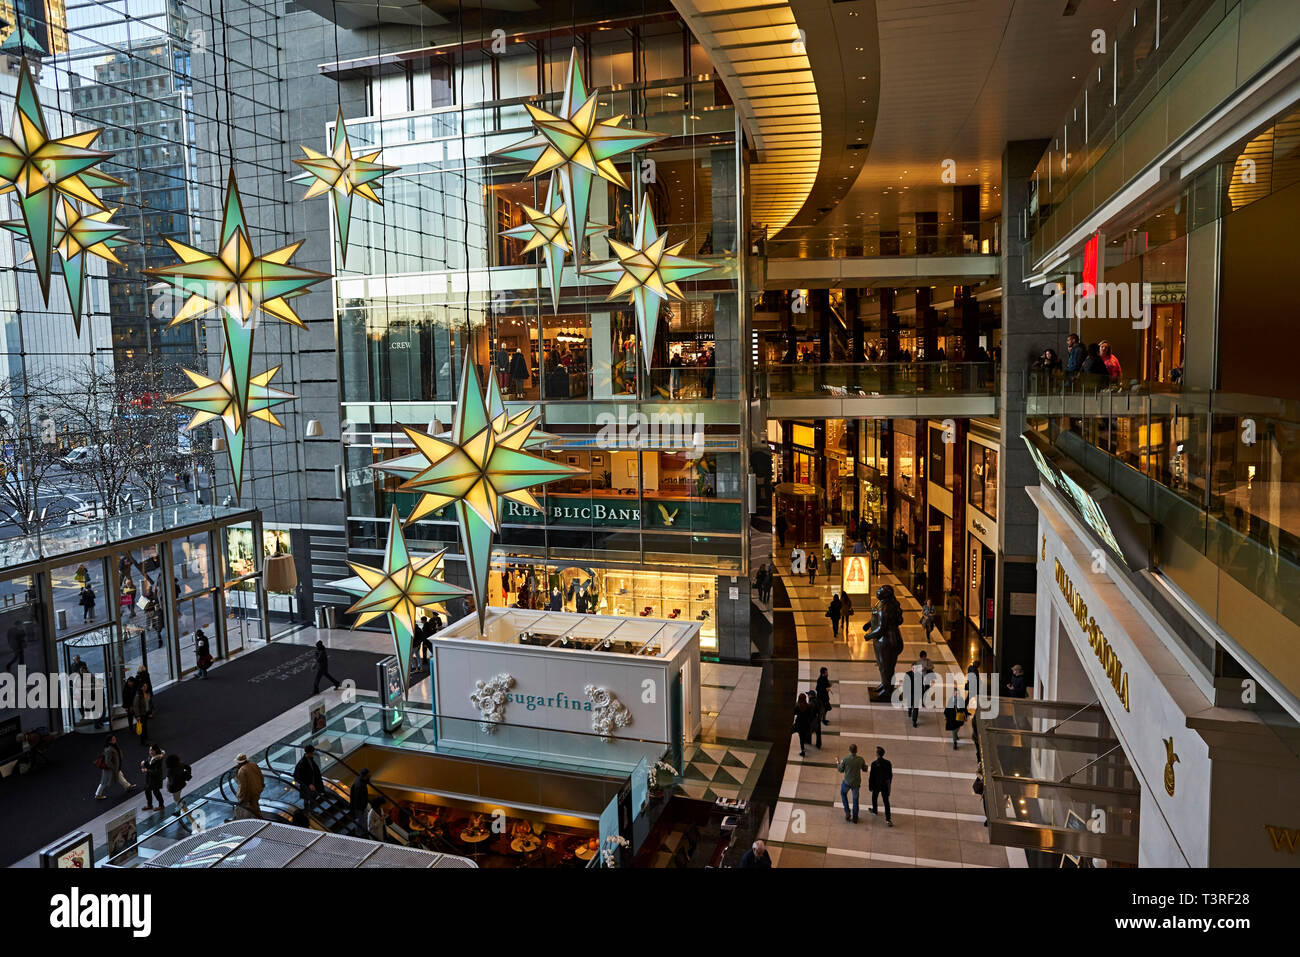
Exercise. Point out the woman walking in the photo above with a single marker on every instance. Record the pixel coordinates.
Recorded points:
(927, 621)
(803, 723)
(110, 769)
(153, 769)
(846, 612)
(954, 714)
(142, 707)
(178, 775)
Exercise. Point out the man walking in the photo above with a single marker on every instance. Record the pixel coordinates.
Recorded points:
(919, 677)
(322, 668)
(851, 766)
(110, 769)
(879, 779)
(306, 774)
(781, 525)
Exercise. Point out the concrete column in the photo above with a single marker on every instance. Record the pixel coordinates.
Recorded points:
(1025, 332)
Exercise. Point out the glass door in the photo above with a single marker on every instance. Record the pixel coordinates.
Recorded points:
(193, 615)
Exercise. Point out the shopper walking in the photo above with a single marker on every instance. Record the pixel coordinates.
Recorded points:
(880, 778)
(154, 770)
(178, 775)
(781, 525)
(375, 820)
(323, 668)
(851, 766)
(803, 723)
(306, 774)
(846, 612)
(142, 708)
(828, 559)
(359, 797)
(249, 785)
(927, 621)
(1111, 362)
(834, 612)
(110, 769)
(202, 653)
(919, 677)
(818, 712)
(875, 559)
(973, 685)
(954, 714)
(811, 565)
(824, 693)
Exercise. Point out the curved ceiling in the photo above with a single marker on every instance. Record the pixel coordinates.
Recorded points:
(761, 55)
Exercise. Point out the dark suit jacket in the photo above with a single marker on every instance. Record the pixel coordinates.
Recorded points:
(880, 775)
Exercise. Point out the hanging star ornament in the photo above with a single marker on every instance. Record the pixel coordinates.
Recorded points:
(546, 229)
(78, 235)
(343, 176)
(577, 147)
(472, 468)
(647, 271)
(40, 170)
(240, 285)
(216, 399)
(401, 589)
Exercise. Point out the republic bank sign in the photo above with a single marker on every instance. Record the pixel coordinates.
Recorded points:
(587, 513)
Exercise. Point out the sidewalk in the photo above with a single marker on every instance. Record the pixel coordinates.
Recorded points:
(938, 820)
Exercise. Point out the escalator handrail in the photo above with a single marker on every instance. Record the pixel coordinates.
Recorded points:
(414, 825)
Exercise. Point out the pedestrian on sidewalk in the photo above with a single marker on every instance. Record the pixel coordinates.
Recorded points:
(323, 668)
(880, 778)
(153, 769)
(851, 766)
(178, 775)
(954, 714)
(306, 774)
(87, 602)
(824, 694)
(803, 723)
(812, 568)
(834, 612)
(927, 620)
(249, 785)
(110, 769)
(846, 612)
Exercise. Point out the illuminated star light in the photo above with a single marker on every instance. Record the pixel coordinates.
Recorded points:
(217, 399)
(41, 169)
(647, 271)
(545, 229)
(345, 176)
(577, 147)
(472, 468)
(239, 284)
(77, 235)
(402, 588)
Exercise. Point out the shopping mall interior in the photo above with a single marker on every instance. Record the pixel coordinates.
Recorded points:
(518, 434)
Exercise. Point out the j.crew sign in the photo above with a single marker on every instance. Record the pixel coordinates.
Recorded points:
(1110, 662)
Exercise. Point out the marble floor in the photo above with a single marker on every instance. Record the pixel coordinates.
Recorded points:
(938, 820)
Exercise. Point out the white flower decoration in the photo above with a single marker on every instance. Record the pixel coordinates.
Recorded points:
(608, 714)
(490, 699)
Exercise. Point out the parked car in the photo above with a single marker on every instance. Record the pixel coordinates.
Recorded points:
(85, 454)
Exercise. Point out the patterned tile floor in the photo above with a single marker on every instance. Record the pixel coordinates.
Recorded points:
(938, 820)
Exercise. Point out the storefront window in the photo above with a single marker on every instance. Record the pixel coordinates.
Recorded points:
(982, 485)
(192, 564)
(240, 556)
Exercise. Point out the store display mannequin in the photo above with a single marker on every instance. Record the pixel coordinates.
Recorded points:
(883, 633)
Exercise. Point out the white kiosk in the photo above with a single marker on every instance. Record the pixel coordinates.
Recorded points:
(599, 690)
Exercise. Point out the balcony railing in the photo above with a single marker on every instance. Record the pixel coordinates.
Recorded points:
(1219, 470)
(867, 379)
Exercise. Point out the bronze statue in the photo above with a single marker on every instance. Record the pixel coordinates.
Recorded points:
(883, 633)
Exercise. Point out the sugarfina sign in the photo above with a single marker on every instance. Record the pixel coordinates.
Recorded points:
(1110, 662)
(557, 700)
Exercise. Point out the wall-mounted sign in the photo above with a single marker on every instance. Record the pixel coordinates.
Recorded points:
(1110, 663)
(1022, 603)
(392, 693)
